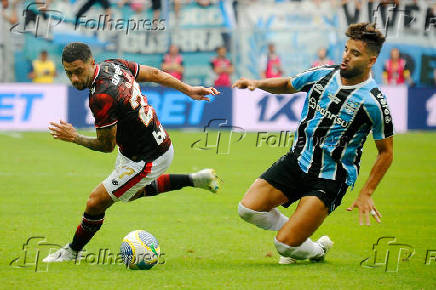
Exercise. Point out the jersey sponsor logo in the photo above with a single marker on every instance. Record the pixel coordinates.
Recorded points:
(327, 114)
(159, 135)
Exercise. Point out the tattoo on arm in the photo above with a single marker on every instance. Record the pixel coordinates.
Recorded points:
(105, 141)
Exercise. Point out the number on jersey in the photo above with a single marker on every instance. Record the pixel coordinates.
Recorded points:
(160, 135)
(145, 112)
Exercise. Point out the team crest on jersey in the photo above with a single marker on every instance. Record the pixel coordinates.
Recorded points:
(92, 90)
(351, 106)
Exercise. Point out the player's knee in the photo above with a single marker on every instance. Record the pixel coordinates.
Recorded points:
(96, 205)
(93, 205)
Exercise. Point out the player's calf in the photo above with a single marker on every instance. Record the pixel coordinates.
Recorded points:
(93, 217)
(205, 179)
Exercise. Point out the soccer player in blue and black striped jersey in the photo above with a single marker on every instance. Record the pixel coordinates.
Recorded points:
(342, 106)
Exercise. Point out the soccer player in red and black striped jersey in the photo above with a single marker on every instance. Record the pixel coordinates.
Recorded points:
(123, 117)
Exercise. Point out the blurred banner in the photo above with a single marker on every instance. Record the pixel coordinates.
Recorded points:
(259, 110)
(174, 109)
(27, 106)
(422, 108)
(397, 101)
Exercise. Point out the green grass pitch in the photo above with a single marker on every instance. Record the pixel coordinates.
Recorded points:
(45, 184)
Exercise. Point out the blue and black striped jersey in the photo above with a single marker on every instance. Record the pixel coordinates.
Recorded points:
(335, 122)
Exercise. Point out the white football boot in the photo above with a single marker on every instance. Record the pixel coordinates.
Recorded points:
(206, 179)
(62, 255)
(326, 244)
(287, 260)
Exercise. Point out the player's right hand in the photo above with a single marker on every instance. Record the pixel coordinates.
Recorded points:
(63, 131)
(244, 83)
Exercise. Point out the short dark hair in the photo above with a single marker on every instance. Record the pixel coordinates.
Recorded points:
(368, 33)
(76, 50)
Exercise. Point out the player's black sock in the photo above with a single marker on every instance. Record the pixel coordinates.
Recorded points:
(86, 230)
(168, 182)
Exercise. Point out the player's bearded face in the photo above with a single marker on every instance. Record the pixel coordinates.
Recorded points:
(355, 59)
(80, 73)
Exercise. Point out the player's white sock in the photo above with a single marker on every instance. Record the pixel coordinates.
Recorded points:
(307, 250)
(268, 220)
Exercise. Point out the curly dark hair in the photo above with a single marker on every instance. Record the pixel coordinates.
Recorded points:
(368, 33)
(76, 50)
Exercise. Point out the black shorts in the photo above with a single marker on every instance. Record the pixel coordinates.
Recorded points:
(286, 175)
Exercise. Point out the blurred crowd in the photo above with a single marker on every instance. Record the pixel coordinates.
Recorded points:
(396, 70)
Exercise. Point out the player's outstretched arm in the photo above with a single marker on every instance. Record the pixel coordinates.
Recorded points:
(271, 85)
(152, 74)
(105, 141)
(364, 201)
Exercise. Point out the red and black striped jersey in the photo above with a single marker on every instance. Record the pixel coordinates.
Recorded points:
(115, 98)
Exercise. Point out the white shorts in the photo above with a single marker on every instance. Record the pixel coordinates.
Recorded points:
(128, 176)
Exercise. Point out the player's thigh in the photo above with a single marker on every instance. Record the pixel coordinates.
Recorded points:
(308, 216)
(262, 196)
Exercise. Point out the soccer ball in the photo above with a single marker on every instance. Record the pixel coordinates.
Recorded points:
(140, 250)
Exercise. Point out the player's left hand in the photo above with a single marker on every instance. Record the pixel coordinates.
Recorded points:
(63, 131)
(366, 208)
(200, 93)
